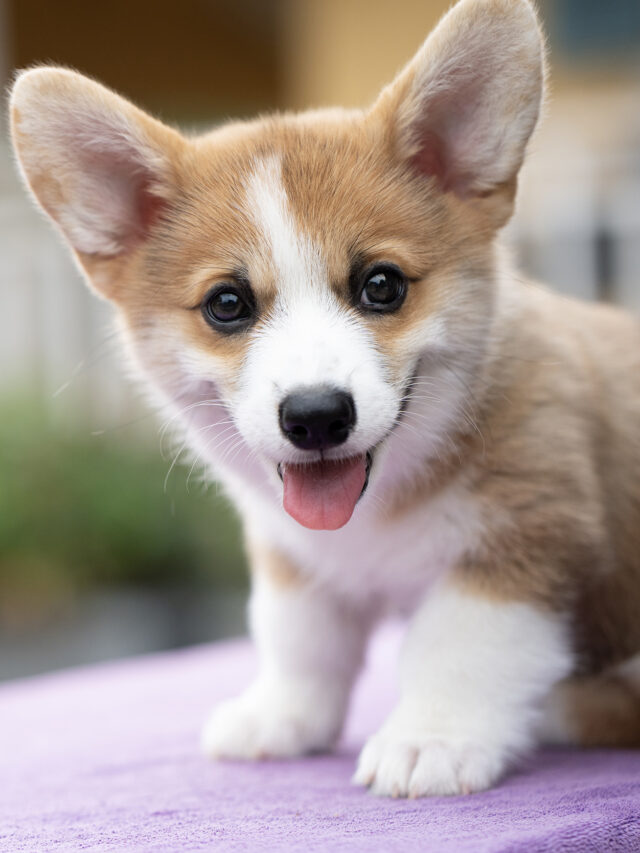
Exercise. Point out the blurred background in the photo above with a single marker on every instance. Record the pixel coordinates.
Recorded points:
(105, 548)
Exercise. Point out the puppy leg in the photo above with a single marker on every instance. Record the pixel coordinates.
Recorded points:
(600, 710)
(310, 650)
(473, 674)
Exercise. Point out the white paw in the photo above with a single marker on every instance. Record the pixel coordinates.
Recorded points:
(414, 764)
(262, 724)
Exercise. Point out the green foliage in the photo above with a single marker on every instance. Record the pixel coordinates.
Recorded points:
(78, 511)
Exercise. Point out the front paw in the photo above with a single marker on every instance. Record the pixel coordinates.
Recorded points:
(411, 762)
(270, 723)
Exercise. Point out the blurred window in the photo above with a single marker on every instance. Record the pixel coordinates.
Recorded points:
(586, 27)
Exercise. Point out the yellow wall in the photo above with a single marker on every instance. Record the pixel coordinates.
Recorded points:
(343, 51)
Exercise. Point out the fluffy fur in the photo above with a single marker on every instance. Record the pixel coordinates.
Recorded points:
(502, 514)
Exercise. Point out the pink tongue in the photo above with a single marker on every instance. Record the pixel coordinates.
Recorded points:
(323, 495)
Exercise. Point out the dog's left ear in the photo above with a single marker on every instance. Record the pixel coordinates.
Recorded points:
(464, 108)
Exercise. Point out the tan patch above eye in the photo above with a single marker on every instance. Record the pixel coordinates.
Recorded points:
(198, 284)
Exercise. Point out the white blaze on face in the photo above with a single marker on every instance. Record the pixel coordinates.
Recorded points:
(298, 265)
(310, 339)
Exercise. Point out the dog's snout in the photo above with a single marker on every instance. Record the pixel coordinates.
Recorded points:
(317, 418)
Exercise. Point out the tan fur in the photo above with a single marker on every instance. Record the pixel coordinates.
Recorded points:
(601, 710)
(280, 568)
(550, 441)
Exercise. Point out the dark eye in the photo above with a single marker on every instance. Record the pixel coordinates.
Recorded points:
(383, 289)
(229, 307)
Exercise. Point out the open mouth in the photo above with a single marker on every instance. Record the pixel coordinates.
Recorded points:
(322, 495)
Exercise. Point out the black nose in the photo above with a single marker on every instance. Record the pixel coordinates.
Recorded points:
(317, 418)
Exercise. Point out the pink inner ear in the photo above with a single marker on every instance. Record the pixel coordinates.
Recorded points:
(445, 135)
(435, 161)
(149, 208)
(116, 199)
(136, 207)
(430, 159)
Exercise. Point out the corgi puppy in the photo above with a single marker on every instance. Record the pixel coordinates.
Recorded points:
(404, 425)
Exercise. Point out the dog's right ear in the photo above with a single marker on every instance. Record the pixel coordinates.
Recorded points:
(101, 168)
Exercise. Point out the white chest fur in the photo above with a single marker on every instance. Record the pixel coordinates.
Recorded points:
(374, 561)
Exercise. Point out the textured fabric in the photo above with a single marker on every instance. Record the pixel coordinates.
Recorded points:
(106, 759)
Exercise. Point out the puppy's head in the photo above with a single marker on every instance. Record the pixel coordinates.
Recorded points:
(287, 280)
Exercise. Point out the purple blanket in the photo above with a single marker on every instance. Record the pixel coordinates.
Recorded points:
(106, 759)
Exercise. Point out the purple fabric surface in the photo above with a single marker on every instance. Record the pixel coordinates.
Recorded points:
(106, 759)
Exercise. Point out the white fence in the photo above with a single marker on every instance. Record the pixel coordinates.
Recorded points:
(56, 338)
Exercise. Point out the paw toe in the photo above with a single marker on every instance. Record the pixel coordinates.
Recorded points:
(422, 767)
